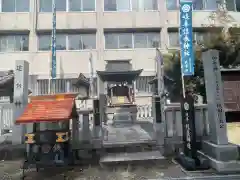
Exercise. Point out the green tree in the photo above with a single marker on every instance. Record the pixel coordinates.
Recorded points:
(229, 52)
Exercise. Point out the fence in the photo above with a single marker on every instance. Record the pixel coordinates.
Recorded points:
(173, 117)
(173, 123)
(6, 117)
(63, 85)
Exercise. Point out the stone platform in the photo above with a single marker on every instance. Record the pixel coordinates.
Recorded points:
(128, 133)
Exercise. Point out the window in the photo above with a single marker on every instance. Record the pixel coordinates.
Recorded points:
(197, 4)
(84, 41)
(147, 40)
(46, 5)
(237, 5)
(73, 5)
(125, 41)
(144, 5)
(173, 39)
(198, 37)
(118, 41)
(171, 4)
(128, 5)
(230, 5)
(154, 40)
(15, 5)
(140, 40)
(111, 41)
(89, 41)
(14, 43)
(142, 83)
(132, 40)
(211, 4)
(67, 42)
(123, 5)
(60, 41)
(75, 42)
(88, 5)
(81, 5)
(44, 42)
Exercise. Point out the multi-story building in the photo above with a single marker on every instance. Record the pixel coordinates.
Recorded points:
(107, 29)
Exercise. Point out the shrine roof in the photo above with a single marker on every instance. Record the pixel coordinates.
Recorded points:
(82, 81)
(155, 80)
(6, 81)
(119, 76)
(50, 108)
(6, 77)
(230, 70)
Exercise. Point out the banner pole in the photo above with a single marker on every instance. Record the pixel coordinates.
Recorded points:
(182, 73)
(183, 85)
(53, 50)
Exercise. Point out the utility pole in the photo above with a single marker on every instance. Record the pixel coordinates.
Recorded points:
(53, 64)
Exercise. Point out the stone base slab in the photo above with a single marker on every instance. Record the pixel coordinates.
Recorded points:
(221, 152)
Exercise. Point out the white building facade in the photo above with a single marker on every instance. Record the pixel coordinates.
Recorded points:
(108, 29)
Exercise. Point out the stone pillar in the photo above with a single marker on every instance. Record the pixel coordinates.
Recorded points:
(222, 155)
(75, 132)
(101, 87)
(158, 119)
(214, 92)
(85, 127)
(20, 98)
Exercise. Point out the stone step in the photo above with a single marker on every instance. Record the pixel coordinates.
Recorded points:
(143, 142)
(130, 157)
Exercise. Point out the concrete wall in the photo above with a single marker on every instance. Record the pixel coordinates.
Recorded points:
(73, 62)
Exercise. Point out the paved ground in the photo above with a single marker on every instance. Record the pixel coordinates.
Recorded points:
(128, 133)
(10, 169)
(234, 132)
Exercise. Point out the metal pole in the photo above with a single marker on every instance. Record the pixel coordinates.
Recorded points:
(91, 74)
(183, 83)
(160, 72)
(182, 76)
(53, 63)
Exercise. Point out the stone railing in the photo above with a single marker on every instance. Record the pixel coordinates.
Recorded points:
(144, 111)
(173, 122)
(6, 117)
(173, 117)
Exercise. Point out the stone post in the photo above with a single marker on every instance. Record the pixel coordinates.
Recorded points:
(20, 98)
(222, 155)
(85, 126)
(214, 92)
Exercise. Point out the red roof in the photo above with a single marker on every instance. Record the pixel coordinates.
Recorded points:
(49, 108)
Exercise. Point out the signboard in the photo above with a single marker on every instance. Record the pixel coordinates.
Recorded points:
(214, 92)
(54, 59)
(187, 56)
(188, 122)
(231, 90)
(121, 99)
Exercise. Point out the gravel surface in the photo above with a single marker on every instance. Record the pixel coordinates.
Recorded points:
(151, 170)
(10, 169)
